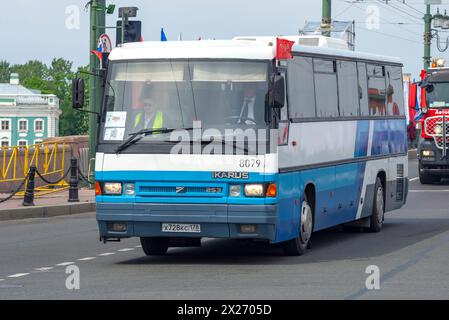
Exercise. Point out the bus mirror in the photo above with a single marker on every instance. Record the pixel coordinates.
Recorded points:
(77, 93)
(279, 92)
(430, 88)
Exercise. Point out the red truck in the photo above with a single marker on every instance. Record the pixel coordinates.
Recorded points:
(433, 147)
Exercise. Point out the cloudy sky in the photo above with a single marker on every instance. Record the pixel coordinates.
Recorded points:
(31, 29)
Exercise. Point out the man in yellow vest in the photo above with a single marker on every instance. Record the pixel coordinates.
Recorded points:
(150, 117)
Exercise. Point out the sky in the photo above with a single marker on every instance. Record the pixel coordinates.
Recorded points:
(46, 29)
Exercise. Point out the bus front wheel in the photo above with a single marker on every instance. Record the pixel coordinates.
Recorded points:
(154, 246)
(299, 245)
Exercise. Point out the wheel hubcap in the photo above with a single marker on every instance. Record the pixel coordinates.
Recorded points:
(306, 222)
(380, 205)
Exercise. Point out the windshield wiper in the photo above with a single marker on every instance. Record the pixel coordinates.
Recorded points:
(139, 135)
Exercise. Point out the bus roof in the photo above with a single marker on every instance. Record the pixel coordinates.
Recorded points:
(247, 48)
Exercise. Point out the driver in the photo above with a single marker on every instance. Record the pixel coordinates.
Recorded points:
(153, 115)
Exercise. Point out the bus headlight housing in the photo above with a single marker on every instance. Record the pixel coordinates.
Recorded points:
(254, 190)
(112, 188)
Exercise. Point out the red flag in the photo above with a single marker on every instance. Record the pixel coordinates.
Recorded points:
(423, 90)
(284, 49)
(412, 95)
(98, 54)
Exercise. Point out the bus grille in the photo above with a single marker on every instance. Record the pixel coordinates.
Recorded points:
(400, 182)
(180, 191)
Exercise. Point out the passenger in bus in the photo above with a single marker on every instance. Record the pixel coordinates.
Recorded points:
(250, 102)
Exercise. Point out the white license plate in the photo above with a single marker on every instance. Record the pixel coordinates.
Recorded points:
(176, 227)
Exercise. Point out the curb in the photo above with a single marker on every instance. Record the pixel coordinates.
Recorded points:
(46, 211)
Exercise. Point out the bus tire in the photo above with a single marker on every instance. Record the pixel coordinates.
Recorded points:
(154, 246)
(378, 214)
(299, 245)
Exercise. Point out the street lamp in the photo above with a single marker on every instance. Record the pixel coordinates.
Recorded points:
(445, 21)
(438, 20)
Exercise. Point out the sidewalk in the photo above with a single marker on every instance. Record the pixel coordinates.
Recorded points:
(50, 205)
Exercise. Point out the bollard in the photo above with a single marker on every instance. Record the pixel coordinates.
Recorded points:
(73, 189)
(28, 199)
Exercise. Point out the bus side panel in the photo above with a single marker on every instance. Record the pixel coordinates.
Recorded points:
(325, 204)
(349, 185)
(289, 193)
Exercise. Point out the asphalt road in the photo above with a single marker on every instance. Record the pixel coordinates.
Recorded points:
(412, 254)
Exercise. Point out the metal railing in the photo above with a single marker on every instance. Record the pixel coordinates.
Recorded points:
(49, 158)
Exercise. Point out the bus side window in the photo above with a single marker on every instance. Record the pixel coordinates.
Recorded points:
(326, 88)
(347, 89)
(300, 87)
(377, 90)
(363, 88)
(395, 97)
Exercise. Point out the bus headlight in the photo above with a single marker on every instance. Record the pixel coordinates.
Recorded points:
(235, 191)
(114, 188)
(254, 190)
(428, 153)
(129, 189)
(438, 129)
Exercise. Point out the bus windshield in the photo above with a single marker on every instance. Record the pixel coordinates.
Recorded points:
(174, 94)
(439, 97)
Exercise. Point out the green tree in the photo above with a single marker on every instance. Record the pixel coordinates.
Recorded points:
(4, 71)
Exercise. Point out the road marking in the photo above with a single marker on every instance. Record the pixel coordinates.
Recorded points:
(126, 249)
(428, 191)
(139, 246)
(106, 254)
(2, 280)
(17, 275)
(86, 259)
(43, 269)
(63, 264)
(414, 179)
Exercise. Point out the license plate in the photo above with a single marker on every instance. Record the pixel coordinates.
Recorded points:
(176, 227)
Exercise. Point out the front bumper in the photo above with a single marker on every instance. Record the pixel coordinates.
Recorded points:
(216, 220)
(433, 165)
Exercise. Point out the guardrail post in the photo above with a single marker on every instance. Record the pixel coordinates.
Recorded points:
(73, 189)
(28, 199)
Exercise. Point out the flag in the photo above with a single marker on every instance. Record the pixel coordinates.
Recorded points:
(163, 37)
(99, 54)
(284, 49)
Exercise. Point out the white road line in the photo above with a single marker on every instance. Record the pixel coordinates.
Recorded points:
(106, 254)
(414, 179)
(435, 191)
(17, 275)
(43, 269)
(63, 264)
(126, 249)
(2, 280)
(139, 246)
(86, 259)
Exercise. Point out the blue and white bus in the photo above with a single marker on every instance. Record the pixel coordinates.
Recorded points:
(330, 146)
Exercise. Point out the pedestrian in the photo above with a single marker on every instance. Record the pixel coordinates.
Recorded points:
(411, 135)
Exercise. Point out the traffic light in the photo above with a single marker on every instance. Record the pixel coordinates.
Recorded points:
(133, 31)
